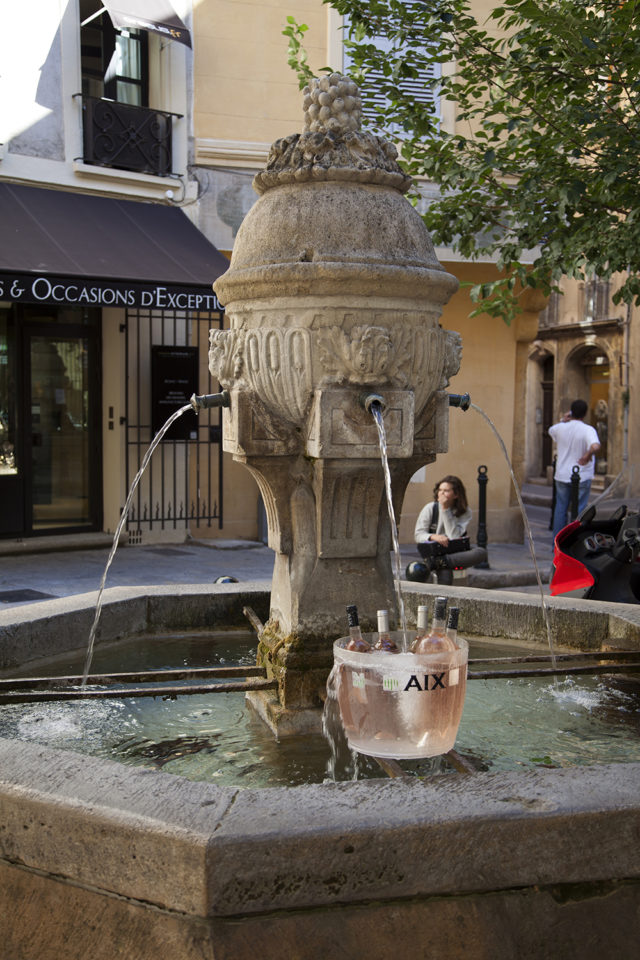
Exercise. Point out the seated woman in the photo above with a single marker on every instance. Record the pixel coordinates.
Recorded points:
(446, 518)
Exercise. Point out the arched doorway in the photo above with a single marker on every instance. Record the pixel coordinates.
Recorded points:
(547, 366)
(589, 376)
(539, 410)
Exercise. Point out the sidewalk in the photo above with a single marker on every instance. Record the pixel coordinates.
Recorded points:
(47, 567)
(29, 577)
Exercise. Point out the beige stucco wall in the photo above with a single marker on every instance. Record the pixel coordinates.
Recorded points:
(244, 89)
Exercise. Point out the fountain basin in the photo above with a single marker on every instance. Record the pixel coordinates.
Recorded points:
(102, 860)
(401, 706)
(508, 723)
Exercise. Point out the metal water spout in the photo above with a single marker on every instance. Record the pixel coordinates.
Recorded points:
(462, 400)
(368, 400)
(206, 401)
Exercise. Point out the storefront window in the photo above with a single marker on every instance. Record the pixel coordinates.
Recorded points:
(60, 438)
(8, 411)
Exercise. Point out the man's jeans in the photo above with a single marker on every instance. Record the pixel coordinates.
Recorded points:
(563, 499)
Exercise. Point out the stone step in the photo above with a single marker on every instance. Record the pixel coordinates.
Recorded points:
(537, 493)
(536, 499)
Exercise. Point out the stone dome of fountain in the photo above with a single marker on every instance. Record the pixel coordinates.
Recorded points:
(332, 215)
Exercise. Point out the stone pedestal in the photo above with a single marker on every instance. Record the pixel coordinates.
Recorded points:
(333, 293)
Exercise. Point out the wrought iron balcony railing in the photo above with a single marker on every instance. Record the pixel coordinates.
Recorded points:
(126, 136)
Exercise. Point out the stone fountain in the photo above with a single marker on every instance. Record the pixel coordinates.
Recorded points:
(334, 292)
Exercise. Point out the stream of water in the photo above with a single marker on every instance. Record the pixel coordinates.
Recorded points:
(527, 526)
(376, 412)
(116, 537)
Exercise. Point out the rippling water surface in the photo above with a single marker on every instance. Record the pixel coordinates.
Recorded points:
(506, 725)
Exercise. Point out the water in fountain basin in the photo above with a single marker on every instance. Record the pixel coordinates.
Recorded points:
(527, 527)
(116, 537)
(376, 412)
(507, 724)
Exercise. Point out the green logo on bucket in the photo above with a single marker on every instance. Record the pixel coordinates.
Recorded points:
(357, 680)
(390, 683)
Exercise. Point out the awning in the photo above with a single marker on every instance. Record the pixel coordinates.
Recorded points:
(157, 16)
(61, 247)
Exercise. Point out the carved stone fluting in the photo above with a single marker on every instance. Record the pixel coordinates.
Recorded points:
(278, 369)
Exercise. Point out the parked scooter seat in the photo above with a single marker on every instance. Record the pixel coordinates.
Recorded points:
(600, 557)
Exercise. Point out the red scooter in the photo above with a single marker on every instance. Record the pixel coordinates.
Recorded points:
(600, 557)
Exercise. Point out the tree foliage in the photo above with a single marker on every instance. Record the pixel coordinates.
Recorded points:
(542, 171)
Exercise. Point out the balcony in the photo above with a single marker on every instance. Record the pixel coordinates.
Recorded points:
(127, 137)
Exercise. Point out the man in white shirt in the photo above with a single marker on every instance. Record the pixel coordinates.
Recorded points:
(576, 444)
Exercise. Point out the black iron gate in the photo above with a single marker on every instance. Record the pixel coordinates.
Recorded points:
(182, 486)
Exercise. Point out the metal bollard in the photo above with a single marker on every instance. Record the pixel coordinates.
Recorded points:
(481, 538)
(575, 492)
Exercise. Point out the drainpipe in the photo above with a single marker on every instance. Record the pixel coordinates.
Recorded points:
(626, 399)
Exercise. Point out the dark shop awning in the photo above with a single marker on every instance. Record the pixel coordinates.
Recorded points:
(157, 16)
(60, 247)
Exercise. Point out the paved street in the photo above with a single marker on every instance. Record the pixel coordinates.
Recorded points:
(61, 572)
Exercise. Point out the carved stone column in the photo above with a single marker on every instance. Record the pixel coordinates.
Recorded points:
(333, 292)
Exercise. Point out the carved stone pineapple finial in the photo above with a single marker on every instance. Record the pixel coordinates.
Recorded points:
(332, 103)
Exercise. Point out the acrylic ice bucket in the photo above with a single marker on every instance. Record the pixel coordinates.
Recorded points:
(400, 705)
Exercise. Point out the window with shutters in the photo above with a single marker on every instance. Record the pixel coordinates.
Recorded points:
(596, 299)
(372, 91)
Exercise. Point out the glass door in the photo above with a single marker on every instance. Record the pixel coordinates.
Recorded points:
(11, 462)
(50, 433)
(60, 420)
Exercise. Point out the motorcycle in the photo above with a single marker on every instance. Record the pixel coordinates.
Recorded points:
(599, 556)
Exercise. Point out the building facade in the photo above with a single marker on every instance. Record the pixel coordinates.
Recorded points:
(586, 347)
(127, 154)
(105, 280)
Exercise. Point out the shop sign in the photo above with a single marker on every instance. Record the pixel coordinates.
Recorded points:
(80, 291)
(174, 378)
